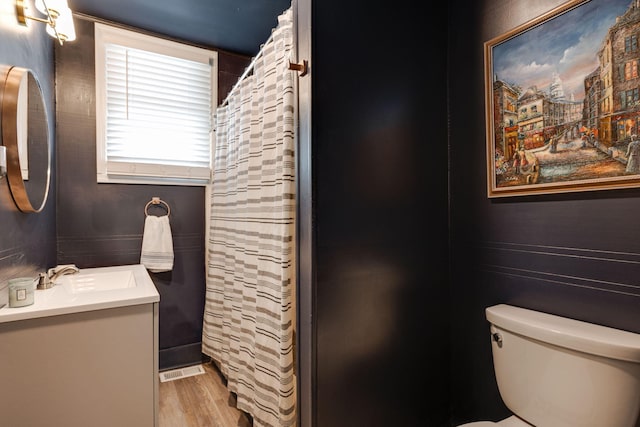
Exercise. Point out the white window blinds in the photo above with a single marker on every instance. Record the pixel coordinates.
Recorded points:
(154, 109)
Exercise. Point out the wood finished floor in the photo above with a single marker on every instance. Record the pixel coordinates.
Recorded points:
(200, 401)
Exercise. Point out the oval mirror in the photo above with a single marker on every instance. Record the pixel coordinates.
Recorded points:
(25, 134)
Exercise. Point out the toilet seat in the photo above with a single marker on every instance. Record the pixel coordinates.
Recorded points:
(512, 421)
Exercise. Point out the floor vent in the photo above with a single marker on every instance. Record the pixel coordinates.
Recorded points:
(176, 374)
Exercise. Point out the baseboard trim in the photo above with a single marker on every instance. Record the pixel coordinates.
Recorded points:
(181, 356)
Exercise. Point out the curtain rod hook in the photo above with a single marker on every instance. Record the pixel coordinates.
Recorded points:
(303, 68)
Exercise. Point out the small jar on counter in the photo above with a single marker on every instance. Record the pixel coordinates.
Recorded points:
(21, 290)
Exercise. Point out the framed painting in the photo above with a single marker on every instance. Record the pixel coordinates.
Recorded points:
(563, 101)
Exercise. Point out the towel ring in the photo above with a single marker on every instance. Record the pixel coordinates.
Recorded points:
(156, 201)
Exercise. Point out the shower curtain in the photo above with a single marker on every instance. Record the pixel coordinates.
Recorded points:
(249, 316)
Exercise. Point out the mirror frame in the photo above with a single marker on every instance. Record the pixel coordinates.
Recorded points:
(10, 116)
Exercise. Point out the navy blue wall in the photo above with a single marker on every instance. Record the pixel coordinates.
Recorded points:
(379, 144)
(28, 241)
(560, 254)
(380, 213)
(102, 224)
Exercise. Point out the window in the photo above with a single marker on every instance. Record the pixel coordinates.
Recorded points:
(631, 43)
(154, 104)
(629, 98)
(631, 70)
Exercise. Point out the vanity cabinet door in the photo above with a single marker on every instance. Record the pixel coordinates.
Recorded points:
(97, 368)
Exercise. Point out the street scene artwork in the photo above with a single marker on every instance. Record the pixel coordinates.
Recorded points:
(563, 101)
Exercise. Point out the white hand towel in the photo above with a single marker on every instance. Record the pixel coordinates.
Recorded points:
(157, 244)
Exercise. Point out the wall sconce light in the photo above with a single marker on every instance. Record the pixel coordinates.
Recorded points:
(58, 18)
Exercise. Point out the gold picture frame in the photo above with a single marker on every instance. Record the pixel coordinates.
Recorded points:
(562, 101)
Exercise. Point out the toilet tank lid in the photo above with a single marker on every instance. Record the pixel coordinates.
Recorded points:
(568, 333)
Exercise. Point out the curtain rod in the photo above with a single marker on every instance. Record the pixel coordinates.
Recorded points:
(248, 69)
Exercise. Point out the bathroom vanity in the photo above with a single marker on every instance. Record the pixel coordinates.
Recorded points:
(84, 354)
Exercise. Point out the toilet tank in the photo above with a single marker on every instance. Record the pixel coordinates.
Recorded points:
(558, 372)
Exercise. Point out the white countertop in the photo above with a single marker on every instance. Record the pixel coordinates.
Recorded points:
(62, 298)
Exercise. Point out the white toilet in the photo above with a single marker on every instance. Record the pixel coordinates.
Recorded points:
(557, 372)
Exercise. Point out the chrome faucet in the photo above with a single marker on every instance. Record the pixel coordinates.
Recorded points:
(48, 279)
